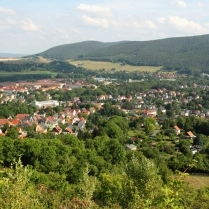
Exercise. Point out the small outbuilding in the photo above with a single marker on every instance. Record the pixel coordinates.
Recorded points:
(130, 147)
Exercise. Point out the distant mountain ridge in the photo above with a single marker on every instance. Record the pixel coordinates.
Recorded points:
(72, 51)
(10, 55)
(176, 53)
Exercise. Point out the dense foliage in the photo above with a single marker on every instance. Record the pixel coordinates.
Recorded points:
(175, 53)
(67, 172)
(95, 169)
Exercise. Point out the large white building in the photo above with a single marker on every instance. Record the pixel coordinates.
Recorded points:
(49, 103)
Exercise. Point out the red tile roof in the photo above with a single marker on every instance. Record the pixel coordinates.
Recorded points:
(3, 121)
(15, 121)
(21, 116)
(68, 130)
(190, 134)
(177, 128)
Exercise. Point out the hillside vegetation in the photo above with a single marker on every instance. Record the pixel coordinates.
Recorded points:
(72, 51)
(187, 52)
(172, 53)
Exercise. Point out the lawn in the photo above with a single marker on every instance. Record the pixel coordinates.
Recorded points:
(197, 181)
(97, 65)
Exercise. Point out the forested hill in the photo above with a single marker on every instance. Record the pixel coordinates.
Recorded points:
(176, 53)
(72, 51)
(184, 52)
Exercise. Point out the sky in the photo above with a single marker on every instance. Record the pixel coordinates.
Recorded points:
(33, 26)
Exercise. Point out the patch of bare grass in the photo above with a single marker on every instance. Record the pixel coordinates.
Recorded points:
(110, 66)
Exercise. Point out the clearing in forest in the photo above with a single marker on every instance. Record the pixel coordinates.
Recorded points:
(111, 66)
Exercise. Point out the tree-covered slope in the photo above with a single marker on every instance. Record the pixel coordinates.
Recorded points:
(71, 51)
(175, 53)
(184, 52)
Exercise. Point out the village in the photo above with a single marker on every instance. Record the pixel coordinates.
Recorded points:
(154, 103)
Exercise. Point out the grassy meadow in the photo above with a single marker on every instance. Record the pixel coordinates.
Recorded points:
(87, 64)
(197, 181)
(98, 65)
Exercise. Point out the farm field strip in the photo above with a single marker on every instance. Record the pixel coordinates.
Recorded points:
(97, 65)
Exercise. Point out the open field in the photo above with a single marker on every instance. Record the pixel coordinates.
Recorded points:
(25, 60)
(92, 65)
(9, 59)
(97, 65)
(197, 181)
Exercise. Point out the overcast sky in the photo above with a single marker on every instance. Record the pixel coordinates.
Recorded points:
(32, 26)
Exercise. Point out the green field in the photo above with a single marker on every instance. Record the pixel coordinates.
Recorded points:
(97, 65)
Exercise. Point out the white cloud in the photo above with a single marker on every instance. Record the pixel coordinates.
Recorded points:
(6, 11)
(75, 31)
(182, 4)
(161, 19)
(10, 21)
(96, 22)
(184, 24)
(132, 23)
(4, 27)
(28, 25)
(150, 24)
(62, 34)
(102, 11)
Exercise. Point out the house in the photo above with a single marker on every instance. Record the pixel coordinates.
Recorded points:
(61, 120)
(101, 97)
(21, 134)
(1, 133)
(68, 130)
(71, 112)
(51, 122)
(152, 113)
(15, 122)
(190, 135)
(56, 130)
(206, 113)
(75, 120)
(202, 115)
(21, 116)
(49, 103)
(185, 112)
(120, 98)
(86, 112)
(138, 105)
(37, 119)
(92, 110)
(41, 128)
(3, 122)
(163, 110)
(177, 129)
(81, 124)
